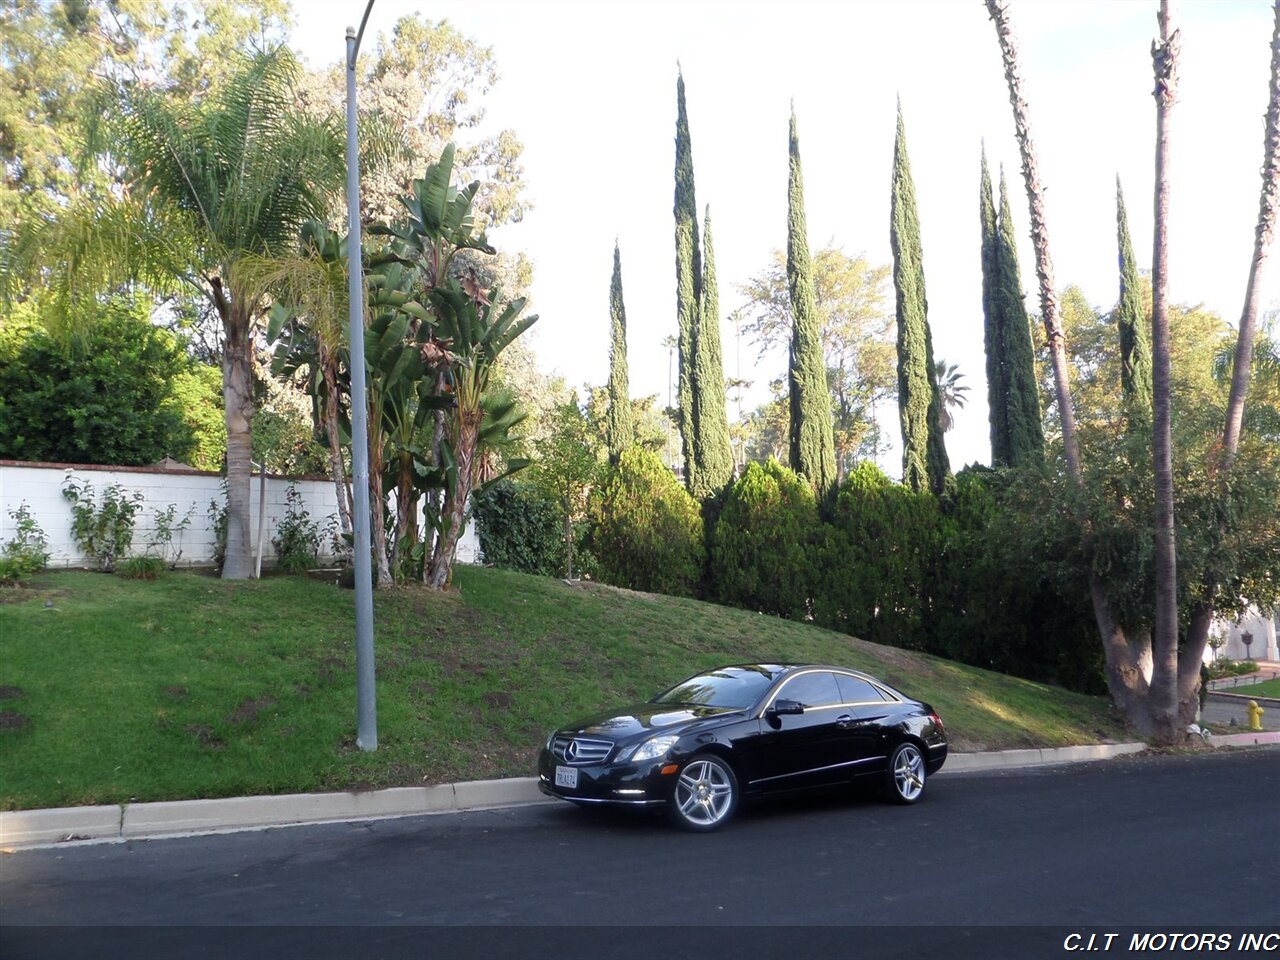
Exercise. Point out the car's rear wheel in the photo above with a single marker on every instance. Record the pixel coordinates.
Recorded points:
(906, 774)
(706, 793)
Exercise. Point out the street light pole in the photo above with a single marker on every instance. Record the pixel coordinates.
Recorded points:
(366, 688)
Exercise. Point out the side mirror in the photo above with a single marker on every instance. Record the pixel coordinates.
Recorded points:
(783, 707)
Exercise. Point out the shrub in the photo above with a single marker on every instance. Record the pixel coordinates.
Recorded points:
(27, 552)
(1008, 596)
(762, 549)
(105, 399)
(877, 560)
(647, 531)
(103, 533)
(167, 526)
(297, 537)
(146, 567)
(520, 528)
(218, 520)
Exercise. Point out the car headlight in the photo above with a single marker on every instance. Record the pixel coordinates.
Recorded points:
(655, 748)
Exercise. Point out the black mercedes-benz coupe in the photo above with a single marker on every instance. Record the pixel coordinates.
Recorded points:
(742, 731)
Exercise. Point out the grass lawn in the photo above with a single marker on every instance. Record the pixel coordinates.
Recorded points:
(1267, 688)
(114, 690)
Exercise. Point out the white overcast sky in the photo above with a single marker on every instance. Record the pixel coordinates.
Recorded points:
(589, 87)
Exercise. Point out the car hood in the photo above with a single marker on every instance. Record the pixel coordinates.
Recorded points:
(645, 718)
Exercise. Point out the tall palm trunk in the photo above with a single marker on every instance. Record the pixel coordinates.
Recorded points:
(1268, 206)
(1163, 697)
(406, 537)
(237, 398)
(337, 470)
(999, 11)
(1263, 235)
(455, 502)
(378, 500)
(1126, 660)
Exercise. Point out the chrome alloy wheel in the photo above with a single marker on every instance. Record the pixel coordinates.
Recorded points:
(705, 793)
(908, 772)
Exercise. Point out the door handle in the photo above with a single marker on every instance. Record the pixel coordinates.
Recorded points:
(844, 720)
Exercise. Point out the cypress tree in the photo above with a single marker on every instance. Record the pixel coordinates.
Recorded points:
(712, 449)
(688, 284)
(993, 336)
(621, 431)
(1022, 397)
(1135, 336)
(924, 457)
(812, 432)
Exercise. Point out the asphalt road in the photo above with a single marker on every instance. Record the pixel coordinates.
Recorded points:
(1185, 841)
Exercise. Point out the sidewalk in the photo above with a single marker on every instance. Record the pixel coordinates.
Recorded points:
(138, 821)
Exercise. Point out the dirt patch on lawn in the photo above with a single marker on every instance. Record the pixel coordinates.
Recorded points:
(204, 736)
(11, 693)
(604, 589)
(178, 693)
(497, 700)
(13, 720)
(249, 709)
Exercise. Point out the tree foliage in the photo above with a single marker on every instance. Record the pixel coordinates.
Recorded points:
(647, 530)
(812, 436)
(876, 570)
(111, 401)
(924, 454)
(688, 286)
(857, 341)
(763, 545)
(53, 52)
(428, 82)
(711, 443)
(621, 430)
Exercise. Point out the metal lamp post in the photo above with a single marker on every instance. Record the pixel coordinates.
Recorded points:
(366, 689)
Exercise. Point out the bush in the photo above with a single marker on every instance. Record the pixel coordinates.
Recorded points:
(877, 560)
(146, 567)
(520, 528)
(104, 399)
(103, 533)
(297, 537)
(763, 544)
(647, 531)
(1007, 596)
(27, 552)
(218, 514)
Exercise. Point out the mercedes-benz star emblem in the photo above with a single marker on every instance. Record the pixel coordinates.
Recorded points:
(571, 751)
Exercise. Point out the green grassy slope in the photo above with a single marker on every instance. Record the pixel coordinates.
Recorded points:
(115, 690)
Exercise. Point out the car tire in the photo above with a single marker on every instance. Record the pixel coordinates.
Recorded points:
(905, 776)
(705, 795)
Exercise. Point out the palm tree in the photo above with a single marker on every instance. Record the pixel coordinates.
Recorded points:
(477, 331)
(308, 325)
(205, 186)
(950, 391)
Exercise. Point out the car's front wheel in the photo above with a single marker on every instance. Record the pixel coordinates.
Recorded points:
(706, 793)
(905, 774)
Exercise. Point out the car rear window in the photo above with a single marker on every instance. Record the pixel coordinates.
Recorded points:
(854, 690)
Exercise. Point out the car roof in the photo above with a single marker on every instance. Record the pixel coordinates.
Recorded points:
(776, 670)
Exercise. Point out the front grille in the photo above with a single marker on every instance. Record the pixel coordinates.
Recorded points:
(584, 751)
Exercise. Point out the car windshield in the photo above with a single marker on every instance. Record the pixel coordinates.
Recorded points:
(733, 687)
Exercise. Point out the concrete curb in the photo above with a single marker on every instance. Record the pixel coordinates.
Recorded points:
(1014, 759)
(137, 821)
(1222, 696)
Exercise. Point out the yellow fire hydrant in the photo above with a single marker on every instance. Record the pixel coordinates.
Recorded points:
(1254, 713)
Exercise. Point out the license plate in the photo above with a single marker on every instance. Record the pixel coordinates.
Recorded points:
(567, 777)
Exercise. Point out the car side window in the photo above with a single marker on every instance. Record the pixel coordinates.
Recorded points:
(812, 689)
(853, 690)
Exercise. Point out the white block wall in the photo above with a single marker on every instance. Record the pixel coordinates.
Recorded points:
(40, 487)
